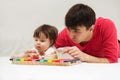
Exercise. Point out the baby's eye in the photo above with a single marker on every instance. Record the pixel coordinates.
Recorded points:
(42, 40)
(36, 40)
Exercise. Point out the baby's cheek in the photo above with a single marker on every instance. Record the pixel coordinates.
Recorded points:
(45, 47)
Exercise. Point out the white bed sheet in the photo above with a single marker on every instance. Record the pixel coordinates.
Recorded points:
(82, 71)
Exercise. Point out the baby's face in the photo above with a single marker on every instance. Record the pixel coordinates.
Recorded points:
(42, 43)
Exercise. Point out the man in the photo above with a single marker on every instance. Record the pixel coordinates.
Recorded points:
(87, 38)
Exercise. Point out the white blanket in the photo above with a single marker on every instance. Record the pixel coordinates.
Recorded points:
(82, 71)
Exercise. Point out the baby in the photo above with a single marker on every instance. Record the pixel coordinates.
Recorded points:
(44, 39)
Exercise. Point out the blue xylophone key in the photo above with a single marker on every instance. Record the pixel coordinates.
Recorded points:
(15, 59)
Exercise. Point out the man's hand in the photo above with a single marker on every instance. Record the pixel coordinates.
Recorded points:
(84, 57)
(75, 52)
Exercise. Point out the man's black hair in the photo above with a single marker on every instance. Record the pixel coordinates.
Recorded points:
(80, 15)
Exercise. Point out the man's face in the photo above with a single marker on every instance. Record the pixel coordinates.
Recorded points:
(80, 34)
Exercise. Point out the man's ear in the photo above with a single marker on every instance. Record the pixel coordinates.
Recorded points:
(91, 28)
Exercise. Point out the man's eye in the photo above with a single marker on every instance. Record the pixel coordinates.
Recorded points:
(77, 31)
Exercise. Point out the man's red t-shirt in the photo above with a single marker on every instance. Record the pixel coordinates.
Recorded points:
(103, 44)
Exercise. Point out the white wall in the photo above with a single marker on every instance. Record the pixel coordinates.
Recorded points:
(19, 18)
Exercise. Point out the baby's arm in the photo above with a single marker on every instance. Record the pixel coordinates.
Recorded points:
(29, 53)
(22, 55)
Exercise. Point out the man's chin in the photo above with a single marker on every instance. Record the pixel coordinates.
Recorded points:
(75, 41)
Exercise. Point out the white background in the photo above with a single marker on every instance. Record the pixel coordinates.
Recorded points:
(19, 18)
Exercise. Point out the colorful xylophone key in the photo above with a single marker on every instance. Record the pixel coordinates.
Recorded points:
(64, 62)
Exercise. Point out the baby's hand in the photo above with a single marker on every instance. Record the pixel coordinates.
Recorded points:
(30, 51)
(51, 56)
(32, 54)
(63, 50)
(15, 56)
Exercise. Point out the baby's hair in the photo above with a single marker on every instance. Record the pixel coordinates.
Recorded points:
(50, 32)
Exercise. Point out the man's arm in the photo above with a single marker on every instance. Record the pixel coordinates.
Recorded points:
(92, 59)
(84, 57)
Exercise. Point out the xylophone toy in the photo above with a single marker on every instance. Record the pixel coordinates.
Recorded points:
(55, 62)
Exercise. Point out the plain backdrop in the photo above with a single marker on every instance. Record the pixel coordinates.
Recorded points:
(19, 18)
